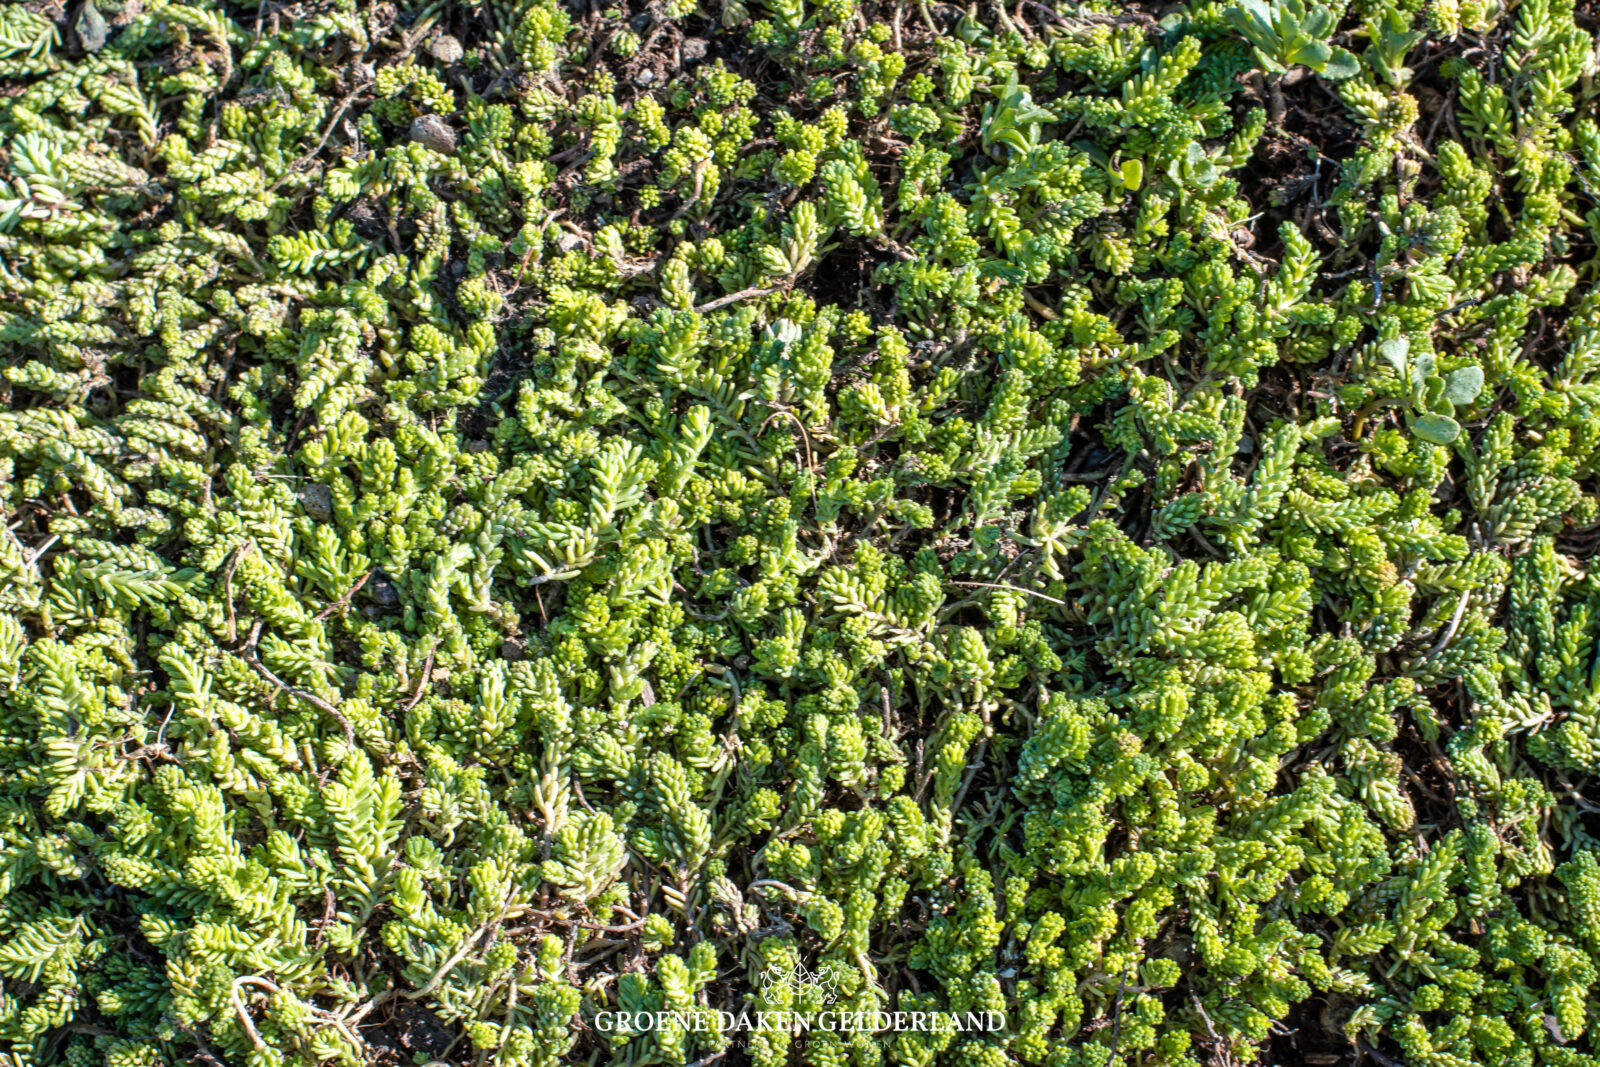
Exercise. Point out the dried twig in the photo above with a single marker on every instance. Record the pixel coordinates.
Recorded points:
(972, 773)
(733, 298)
(1217, 1044)
(244, 1016)
(227, 587)
(422, 682)
(1455, 624)
(1081, 21)
(1116, 1020)
(329, 912)
(338, 113)
(203, 1048)
(805, 438)
(445, 968)
(250, 657)
(344, 600)
(923, 776)
(626, 928)
(33, 557)
(1013, 588)
(577, 789)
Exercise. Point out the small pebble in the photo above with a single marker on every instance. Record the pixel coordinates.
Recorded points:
(645, 77)
(384, 592)
(91, 28)
(317, 500)
(693, 49)
(446, 49)
(433, 132)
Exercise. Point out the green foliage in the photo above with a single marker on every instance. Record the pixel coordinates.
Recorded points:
(1041, 511)
(1289, 33)
(1433, 399)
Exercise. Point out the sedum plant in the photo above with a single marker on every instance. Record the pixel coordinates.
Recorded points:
(519, 511)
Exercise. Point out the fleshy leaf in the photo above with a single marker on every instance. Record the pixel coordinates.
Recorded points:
(1394, 353)
(1436, 429)
(1462, 386)
(1340, 64)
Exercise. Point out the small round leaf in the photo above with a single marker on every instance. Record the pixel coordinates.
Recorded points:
(1436, 429)
(1463, 386)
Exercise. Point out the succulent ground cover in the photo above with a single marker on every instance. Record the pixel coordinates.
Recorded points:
(520, 510)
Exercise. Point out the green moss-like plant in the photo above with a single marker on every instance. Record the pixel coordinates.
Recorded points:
(516, 511)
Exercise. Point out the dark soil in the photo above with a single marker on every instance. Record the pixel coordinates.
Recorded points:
(406, 1032)
(1312, 1036)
